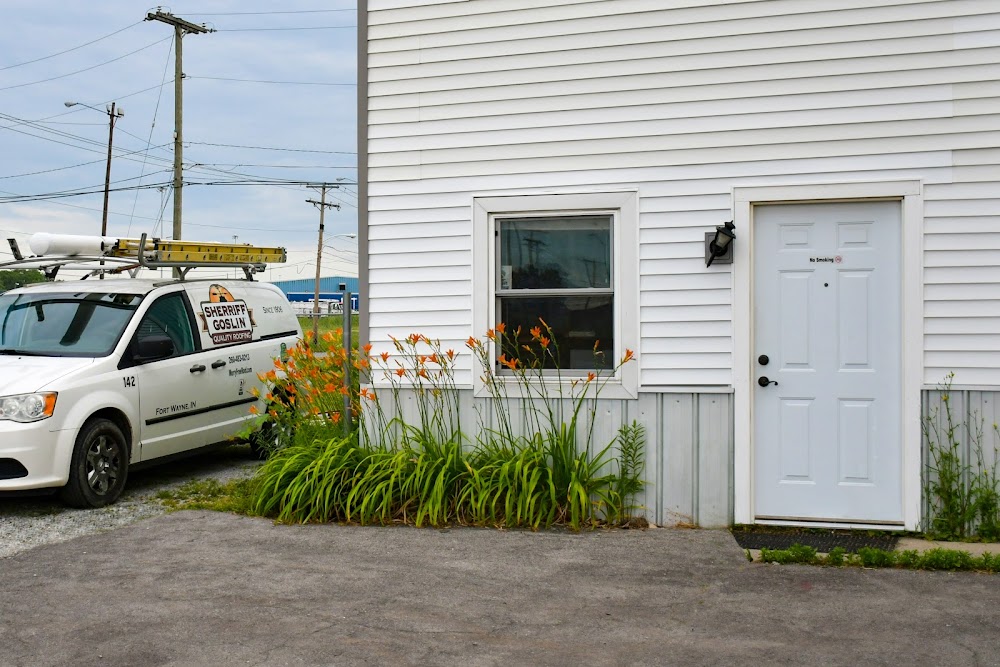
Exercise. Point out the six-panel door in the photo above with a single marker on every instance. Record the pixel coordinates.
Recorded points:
(827, 315)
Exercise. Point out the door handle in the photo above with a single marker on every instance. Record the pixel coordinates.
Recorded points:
(197, 368)
(763, 381)
(218, 364)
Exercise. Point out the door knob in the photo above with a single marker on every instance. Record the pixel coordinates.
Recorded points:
(763, 381)
(763, 359)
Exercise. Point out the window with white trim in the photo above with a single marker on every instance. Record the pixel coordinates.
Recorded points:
(570, 259)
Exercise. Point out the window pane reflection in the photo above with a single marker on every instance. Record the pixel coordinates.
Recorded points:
(555, 253)
(577, 322)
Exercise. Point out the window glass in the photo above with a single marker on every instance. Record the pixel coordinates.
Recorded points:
(169, 316)
(557, 269)
(75, 324)
(555, 252)
(582, 327)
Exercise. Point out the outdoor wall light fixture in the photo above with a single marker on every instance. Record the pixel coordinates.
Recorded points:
(719, 244)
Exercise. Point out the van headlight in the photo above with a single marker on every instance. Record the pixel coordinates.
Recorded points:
(27, 407)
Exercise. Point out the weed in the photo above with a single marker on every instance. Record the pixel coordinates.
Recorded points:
(963, 500)
(836, 557)
(796, 553)
(932, 559)
(209, 494)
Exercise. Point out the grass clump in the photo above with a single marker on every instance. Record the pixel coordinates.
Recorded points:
(210, 494)
(952, 560)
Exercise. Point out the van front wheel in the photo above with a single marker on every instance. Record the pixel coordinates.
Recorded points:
(99, 465)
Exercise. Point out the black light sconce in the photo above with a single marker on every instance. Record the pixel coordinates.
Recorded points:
(719, 244)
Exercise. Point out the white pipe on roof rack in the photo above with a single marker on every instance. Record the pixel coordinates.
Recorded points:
(43, 243)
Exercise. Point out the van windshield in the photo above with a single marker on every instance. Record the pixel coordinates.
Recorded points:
(64, 324)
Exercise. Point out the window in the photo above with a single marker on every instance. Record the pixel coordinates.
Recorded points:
(69, 324)
(570, 259)
(559, 269)
(169, 316)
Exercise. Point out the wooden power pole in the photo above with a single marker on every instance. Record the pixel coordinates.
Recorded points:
(181, 28)
(322, 205)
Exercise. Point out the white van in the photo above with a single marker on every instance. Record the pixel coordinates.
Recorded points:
(97, 375)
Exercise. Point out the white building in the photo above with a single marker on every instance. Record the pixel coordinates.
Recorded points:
(588, 145)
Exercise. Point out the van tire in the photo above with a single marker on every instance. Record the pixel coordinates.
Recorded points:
(99, 467)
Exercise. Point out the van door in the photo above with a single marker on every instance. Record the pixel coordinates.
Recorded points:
(227, 326)
(173, 391)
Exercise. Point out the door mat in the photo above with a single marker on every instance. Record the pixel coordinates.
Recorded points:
(821, 540)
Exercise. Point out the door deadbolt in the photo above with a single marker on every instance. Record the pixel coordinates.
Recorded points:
(763, 381)
(763, 359)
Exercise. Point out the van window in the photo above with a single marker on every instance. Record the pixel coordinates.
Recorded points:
(169, 316)
(64, 324)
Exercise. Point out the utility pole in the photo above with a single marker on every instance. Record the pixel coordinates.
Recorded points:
(114, 113)
(322, 205)
(181, 28)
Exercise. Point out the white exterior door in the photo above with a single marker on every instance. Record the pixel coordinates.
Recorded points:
(827, 334)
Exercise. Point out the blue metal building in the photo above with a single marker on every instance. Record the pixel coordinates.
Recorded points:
(329, 284)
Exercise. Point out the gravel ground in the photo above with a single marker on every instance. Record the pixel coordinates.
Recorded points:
(28, 522)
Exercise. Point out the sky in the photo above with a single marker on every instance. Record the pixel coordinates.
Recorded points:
(290, 115)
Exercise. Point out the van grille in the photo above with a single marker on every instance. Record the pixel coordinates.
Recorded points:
(12, 469)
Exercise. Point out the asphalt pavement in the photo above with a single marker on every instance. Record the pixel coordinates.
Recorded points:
(203, 588)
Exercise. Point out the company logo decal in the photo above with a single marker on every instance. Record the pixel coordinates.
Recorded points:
(225, 318)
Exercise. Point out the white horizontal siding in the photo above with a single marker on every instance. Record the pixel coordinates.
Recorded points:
(682, 101)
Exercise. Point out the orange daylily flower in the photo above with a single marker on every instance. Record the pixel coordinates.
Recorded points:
(385, 356)
(591, 377)
(451, 354)
(491, 335)
(471, 343)
(536, 332)
(543, 341)
(400, 372)
(501, 327)
(422, 373)
(367, 347)
(336, 417)
(329, 388)
(629, 355)
(253, 409)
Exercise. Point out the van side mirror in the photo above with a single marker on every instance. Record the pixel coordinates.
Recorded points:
(153, 347)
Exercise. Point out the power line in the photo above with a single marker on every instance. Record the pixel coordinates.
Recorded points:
(274, 166)
(61, 195)
(72, 166)
(311, 27)
(255, 229)
(301, 11)
(289, 83)
(94, 41)
(271, 148)
(86, 69)
(84, 208)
